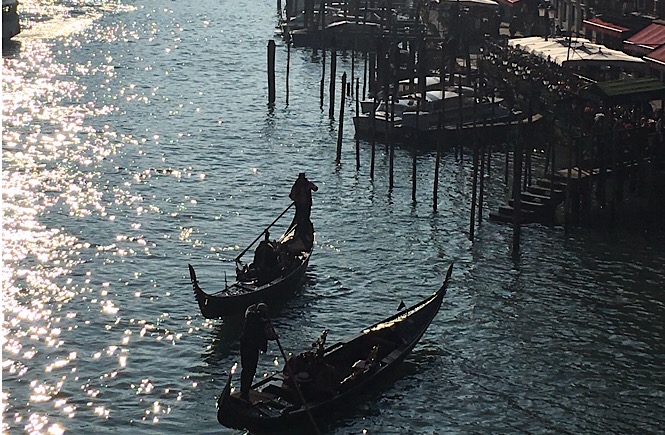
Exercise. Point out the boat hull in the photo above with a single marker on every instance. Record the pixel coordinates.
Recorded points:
(429, 135)
(275, 405)
(234, 300)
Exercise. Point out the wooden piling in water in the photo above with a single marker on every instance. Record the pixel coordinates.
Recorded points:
(440, 136)
(567, 198)
(435, 194)
(481, 193)
(271, 72)
(364, 75)
(507, 165)
(288, 69)
(517, 195)
(353, 68)
(372, 121)
(414, 177)
(333, 73)
(474, 190)
(340, 130)
(391, 146)
(459, 145)
(371, 73)
(323, 77)
(357, 113)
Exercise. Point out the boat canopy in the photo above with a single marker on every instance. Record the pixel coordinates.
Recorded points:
(567, 51)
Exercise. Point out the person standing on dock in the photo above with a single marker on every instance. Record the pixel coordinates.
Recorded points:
(301, 194)
(256, 332)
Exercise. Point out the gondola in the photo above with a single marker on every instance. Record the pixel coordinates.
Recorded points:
(316, 381)
(278, 270)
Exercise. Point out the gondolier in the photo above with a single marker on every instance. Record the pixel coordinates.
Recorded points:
(256, 332)
(301, 194)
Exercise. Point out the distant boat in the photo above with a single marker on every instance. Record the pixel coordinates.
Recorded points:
(314, 383)
(10, 21)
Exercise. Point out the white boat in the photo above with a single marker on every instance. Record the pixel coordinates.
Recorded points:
(10, 21)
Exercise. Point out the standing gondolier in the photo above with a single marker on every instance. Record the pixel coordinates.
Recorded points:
(301, 194)
(256, 332)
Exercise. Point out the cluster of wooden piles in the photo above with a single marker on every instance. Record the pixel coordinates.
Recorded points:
(345, 24)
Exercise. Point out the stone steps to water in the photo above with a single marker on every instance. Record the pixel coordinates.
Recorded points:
(537, 204)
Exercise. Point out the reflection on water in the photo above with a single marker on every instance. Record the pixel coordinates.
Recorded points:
(136, 140)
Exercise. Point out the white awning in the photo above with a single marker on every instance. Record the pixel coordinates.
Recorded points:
(574, 51)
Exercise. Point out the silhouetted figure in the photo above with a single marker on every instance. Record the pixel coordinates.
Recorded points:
(265, 259)
(301, 194)
(255, 335)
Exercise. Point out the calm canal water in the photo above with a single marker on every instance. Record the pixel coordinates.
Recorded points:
(137, 139)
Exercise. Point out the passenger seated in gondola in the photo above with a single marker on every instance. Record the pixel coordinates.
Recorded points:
(316, 379)
(284, 260)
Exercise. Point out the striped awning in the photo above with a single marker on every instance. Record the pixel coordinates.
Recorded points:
(605, 27)
(650, 38)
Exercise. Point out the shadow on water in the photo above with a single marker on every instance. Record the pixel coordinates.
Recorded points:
(224, 342)
(225, 339)
(11, 48)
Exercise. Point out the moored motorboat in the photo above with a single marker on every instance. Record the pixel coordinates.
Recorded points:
(277, 270)
(315, 382)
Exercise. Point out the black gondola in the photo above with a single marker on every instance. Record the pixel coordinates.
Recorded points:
(277, 271)
(328, 377)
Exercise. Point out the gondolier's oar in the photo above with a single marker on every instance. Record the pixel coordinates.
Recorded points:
(295, 381)
(262, 232)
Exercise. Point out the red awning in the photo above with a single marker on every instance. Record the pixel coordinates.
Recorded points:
(650, 38)
(657, 57)
(607, 28)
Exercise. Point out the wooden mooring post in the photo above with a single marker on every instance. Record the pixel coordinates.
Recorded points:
(333, 73)
(288, 69)
(357, 113)
(474, 194)
(323, 77)
(271, 72)
(481, 193)
(517, 194)
(340, 130)
(372, 120)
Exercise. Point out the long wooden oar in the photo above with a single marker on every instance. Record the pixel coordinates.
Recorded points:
(263, 232)
(295, 381)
